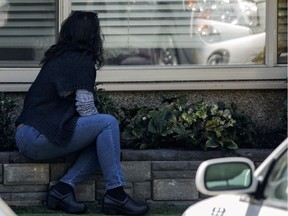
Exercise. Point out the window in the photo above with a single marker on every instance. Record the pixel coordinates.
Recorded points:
(282, 32)
(156, 44)
(181, 32)
(27, 30)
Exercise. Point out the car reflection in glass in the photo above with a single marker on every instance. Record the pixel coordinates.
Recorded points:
(187, 32)
(226, 31)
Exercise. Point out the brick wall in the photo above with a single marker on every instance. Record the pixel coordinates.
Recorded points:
(164, 176)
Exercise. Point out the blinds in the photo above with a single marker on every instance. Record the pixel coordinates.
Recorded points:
(141, 23)
(282, 31)
(29, 24)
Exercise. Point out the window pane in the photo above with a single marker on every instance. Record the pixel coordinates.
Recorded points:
(282, 32)
(181, 32)
(27, 30)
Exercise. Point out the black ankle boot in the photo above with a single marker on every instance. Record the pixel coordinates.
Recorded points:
(111, 206)
(66, 202)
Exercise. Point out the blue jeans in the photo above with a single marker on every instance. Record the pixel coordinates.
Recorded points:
(98, 139)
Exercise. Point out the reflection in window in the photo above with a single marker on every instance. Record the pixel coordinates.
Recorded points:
(282, 32)
(27, 30)
(181, 32)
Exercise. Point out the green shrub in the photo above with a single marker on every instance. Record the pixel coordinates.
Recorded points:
(7, 106)
(103, 102)
(180, 124)
(177, 123)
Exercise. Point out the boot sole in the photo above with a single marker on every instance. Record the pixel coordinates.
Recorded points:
(55, 204)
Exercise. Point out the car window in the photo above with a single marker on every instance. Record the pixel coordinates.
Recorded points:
(276, 189)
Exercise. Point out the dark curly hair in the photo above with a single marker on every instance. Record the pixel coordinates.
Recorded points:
(80, 32)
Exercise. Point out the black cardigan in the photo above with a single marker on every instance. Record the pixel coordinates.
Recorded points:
(45, 109)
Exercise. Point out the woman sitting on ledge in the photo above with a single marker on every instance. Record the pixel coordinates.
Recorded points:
(59, 117)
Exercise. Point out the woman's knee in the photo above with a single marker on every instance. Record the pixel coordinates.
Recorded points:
(110, 119)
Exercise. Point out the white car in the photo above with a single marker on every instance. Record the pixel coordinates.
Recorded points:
(226, 32)
(241, 50)
(238, 190)
(5, 210)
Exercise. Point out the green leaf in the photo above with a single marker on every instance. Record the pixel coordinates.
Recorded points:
(143, 146)
(218, 132)
(211, 144)
(180, 130)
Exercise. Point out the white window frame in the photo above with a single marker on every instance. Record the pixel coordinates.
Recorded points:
(143, 78)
